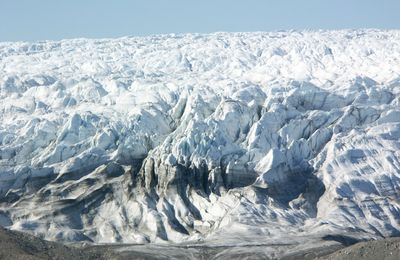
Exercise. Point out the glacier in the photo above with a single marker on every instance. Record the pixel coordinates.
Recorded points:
(225, 138)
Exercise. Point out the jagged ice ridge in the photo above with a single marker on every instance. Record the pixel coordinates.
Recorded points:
(231, 138)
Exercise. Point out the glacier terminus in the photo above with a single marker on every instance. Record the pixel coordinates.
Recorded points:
(280, 138)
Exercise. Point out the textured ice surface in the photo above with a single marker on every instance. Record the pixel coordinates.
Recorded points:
(229, 138)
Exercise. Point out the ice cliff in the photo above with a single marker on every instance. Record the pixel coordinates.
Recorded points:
(226, 137)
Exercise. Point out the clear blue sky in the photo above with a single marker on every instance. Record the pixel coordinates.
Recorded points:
(57, 19)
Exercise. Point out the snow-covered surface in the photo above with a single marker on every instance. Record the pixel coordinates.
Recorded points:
(228, 138)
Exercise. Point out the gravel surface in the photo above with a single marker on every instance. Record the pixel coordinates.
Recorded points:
(20, 246)
(387, 249)
(17, 245)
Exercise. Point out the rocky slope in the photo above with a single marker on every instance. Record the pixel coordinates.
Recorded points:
(388, 249)
(227, 138)
(19, 246)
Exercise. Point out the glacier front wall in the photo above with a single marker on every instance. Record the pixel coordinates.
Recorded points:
(228, 137)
